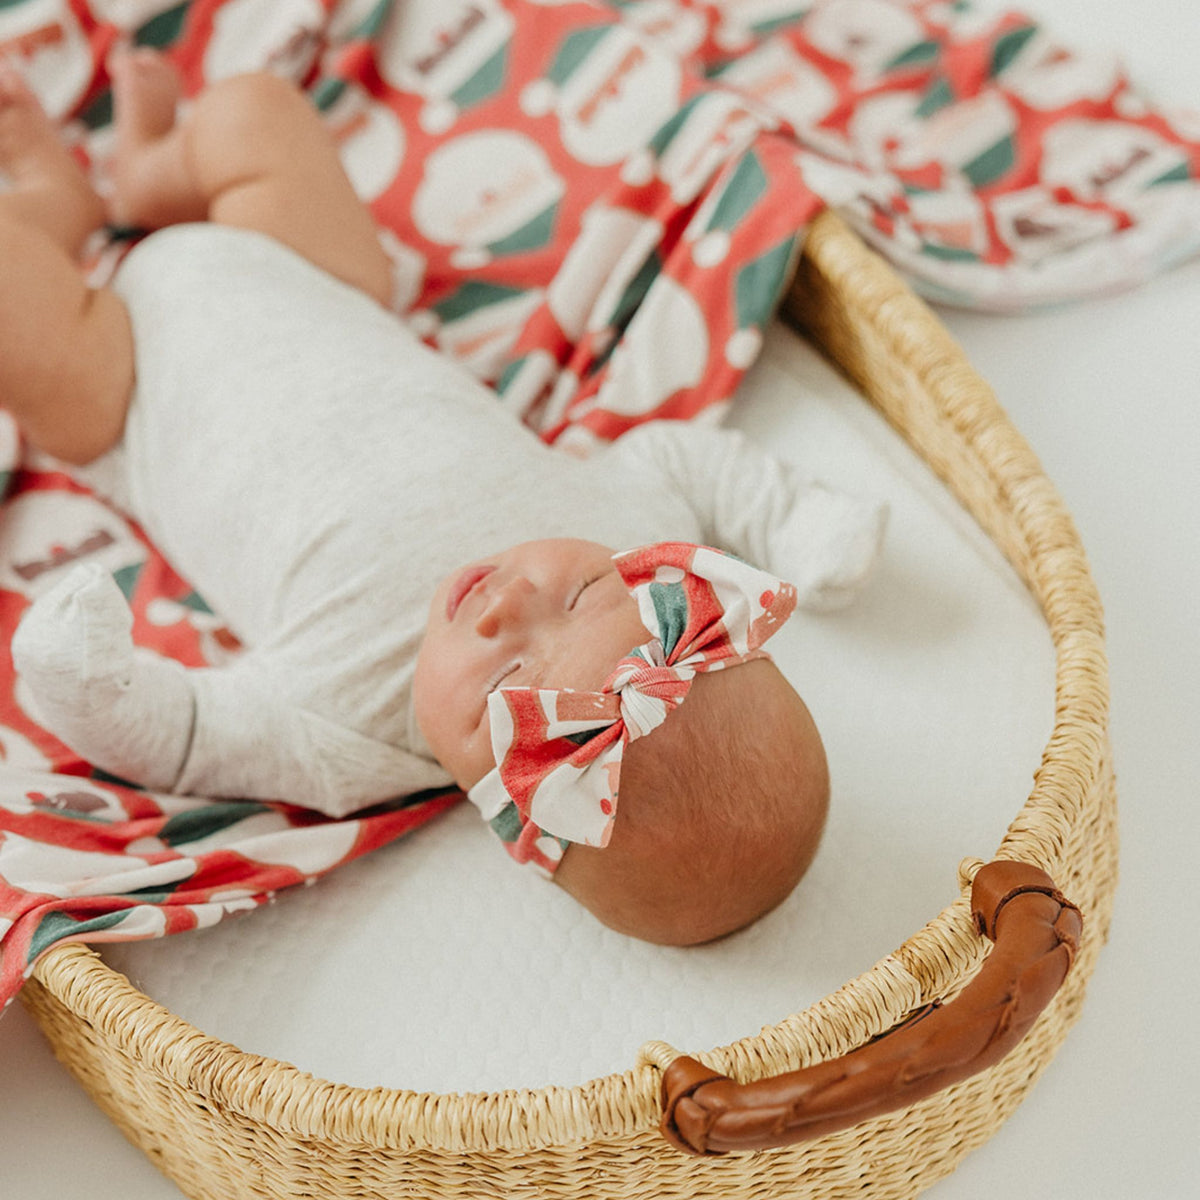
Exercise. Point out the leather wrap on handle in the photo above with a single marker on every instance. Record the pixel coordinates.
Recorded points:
(1036, 932)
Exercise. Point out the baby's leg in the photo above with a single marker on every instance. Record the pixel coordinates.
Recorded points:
(251, 152)
(66, 350)
(49, 191)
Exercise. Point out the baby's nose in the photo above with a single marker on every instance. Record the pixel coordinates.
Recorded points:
(507, 607)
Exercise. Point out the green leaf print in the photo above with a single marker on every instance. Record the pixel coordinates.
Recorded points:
(55, 926)
(164, 29)
(914, 56)
(506, 824)
(994, 162)
(760, 282)
(531, 236)
(471, 297)
(670, 604)
(126, 579)
(198, 823)
(485, 83)
(936, 97)
(1009, 46)
(1177, 174)
(746, 186)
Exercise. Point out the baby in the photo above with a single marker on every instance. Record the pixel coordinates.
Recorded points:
(243, 391)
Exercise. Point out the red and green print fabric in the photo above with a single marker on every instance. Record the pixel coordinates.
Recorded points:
(595, 207)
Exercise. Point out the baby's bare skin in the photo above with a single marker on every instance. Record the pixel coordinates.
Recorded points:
(248, 146)
(707, 841)
(66, 350)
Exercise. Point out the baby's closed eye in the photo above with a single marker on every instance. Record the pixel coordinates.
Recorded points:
(499, 676)
(578, 592)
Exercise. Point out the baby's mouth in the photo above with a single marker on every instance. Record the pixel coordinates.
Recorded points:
(463, 585)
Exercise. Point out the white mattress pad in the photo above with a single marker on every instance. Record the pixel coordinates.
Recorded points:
(437, 964)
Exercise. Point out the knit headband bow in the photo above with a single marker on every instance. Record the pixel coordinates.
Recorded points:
(558, 753)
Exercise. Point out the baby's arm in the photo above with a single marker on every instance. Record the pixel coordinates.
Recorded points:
(223, 732)
(763, 509)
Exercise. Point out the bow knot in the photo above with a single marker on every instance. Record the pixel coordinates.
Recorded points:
(648, 691)
(558, 753)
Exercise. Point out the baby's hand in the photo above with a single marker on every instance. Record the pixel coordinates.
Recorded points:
(121, 707)
(827, 546)
(73, 646)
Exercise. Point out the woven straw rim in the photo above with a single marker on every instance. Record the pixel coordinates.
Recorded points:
(1007, 492)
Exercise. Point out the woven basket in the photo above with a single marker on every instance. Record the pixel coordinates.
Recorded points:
(226, 1125)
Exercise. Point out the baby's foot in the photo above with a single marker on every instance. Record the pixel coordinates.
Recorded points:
(48, 187)
(146, 94)
(29, 145)
(148, 167)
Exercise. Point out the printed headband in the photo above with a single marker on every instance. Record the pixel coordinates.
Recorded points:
(558, 752)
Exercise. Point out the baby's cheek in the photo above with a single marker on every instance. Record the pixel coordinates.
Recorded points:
(433, 710)
(474, 759)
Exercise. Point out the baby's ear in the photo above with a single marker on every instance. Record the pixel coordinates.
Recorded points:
(828, 545)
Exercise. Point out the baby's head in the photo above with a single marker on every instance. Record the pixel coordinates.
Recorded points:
(721, 805)
(721, 809)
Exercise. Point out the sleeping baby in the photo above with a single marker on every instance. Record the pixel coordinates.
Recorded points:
(343, 495)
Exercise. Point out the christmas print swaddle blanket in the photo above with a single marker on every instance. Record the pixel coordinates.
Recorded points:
(595, 207)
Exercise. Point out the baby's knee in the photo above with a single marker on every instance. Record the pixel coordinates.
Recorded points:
(258, 111)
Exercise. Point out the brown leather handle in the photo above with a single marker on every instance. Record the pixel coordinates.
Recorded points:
(1036, 932)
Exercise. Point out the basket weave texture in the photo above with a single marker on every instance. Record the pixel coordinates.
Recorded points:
(226, 1125)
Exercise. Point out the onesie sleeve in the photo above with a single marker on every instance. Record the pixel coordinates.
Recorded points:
(229, 732)
(248, 740)
(762, 508)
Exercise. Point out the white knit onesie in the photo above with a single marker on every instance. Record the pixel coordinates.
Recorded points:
(314, 471)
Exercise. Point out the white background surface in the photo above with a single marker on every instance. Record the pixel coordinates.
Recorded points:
(1108, 393)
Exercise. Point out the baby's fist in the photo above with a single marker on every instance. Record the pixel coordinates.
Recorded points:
(827, 545)
(74, 646)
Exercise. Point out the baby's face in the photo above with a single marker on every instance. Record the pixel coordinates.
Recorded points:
(552, 614)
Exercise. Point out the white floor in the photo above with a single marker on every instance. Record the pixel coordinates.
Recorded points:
(1109, 395)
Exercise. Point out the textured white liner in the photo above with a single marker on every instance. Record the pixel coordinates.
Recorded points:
(436, 964)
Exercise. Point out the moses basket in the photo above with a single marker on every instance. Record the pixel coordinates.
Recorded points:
(877, 1090)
